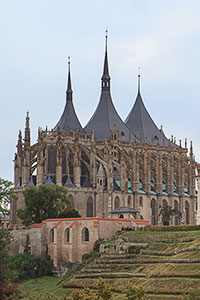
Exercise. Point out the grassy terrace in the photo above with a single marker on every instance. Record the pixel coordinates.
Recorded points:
(167, 267)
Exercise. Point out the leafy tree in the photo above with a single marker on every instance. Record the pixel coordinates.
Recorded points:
(103, 293)
(6, 193)
(70, 213)
(103, 290)
(43, 202)
(24, 266)
(167, 212)
(134, 292)
(8, 290)
(5, 239)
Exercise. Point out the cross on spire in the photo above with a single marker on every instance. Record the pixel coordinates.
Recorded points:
(69, 88)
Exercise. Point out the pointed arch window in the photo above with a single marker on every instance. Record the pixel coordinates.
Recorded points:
(51, 235)
(141, 201)
(129, 201)
(85, 235)
(116, 203)
(67, 235)
(90, 207)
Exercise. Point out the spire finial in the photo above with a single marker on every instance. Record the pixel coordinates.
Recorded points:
(106, 37)
(69, 89)
(138, 80)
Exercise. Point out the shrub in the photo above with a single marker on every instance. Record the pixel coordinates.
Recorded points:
(28, 266)
(8, 290)
(193, 295)
(134, 292)
(89, 256)
(134, 250)
(97, 245)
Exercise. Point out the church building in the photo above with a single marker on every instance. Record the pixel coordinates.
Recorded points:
(110, 168)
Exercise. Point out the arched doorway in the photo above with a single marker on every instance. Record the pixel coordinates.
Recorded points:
(90, 207)
(153, 212)
(187, 212)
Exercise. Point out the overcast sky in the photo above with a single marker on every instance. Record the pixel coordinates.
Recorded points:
(37, 36)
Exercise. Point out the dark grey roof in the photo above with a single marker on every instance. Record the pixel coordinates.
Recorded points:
(141, 123)
(69, 119)
(49, 181)
(31, 183)
(115, 186)
(106, 117)
(18, 185)
(69, 182)
(124, 209)
(87, 182)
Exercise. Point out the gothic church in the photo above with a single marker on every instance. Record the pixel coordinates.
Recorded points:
(111, 167)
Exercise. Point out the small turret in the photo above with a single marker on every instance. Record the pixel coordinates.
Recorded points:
(27, 140)
(100, 177)
(19, 144)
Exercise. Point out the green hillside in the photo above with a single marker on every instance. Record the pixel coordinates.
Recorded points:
(165, 264)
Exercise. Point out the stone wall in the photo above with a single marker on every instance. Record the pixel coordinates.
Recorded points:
(66, 240)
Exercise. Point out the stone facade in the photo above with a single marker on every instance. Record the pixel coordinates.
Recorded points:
(137, 175)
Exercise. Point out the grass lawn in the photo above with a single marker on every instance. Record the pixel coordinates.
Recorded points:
(42, 285)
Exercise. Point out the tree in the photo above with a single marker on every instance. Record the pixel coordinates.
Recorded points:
(6, 193)
(70, 213)
(5, 239)
(167, 212)
(103, 293)
(8, 290)
(43, 202)
(134, 292)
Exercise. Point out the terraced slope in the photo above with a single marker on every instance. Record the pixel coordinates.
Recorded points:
(166, 266)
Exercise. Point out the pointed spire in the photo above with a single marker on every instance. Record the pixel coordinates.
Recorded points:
(106, 77)
(27, 131)
(69, 86)
(138, 80)
(191, 149)
(19, 144)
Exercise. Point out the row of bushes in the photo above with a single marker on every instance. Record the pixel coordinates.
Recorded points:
(172, 228)
(24, 266)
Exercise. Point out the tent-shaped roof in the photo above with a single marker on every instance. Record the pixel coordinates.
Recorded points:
(106, 117)
(68, 182)
(140, 122)
(69, 119)
(87, 183)
(49, 181)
